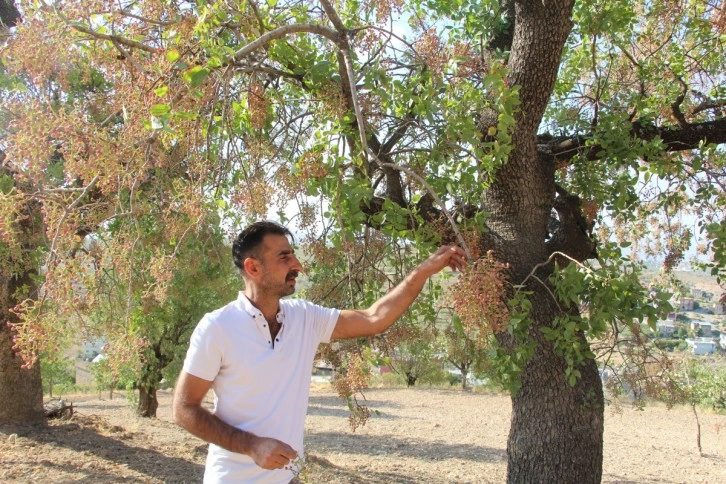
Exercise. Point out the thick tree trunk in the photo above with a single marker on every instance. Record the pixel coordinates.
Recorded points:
(410, 379)
(9, 14)
(148, 403)
(21, 390)
(556, 432)
(557, 429)
(149, 381)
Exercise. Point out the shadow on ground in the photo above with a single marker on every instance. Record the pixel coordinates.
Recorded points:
(85, 439)
(320, 469)
(391, 444)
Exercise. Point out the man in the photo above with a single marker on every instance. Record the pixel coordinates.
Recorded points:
(257, 352)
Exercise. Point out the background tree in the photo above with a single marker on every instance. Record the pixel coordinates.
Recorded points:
(695, 382)
(412, 353)
(462, 351)
(204, 281)
(545, 137)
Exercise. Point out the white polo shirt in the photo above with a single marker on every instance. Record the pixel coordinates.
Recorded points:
(259, 387)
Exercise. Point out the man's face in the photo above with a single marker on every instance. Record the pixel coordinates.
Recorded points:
(280, 267)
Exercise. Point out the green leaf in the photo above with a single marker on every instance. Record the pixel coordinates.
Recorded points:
(160, 110)
(6, 184)
(196, 75)
(172, 55)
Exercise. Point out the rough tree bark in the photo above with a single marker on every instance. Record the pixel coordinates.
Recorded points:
(557, 429)
(148, 402)
(148, 384)
(21, 389)
(9, 14)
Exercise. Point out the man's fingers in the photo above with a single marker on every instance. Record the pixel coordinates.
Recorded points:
(288, 453)
(457, 258)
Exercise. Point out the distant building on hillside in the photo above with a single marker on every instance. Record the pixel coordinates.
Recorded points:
(701, 346)
(687, 304)
(92, 348)
(719, 308)
(666, 328)
(706, 328)
(722, 341)
(697, 293)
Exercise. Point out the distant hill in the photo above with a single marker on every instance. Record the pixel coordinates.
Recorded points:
(690, 277)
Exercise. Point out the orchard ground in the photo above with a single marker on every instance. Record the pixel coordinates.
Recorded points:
(420, 435)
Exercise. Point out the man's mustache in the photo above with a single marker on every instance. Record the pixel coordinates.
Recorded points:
(292, 274)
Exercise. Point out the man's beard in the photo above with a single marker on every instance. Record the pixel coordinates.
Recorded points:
(284, 289)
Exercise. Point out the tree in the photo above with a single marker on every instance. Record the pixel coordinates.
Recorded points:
(204, 281)
(462, 351)
(696, 383)
(412, 353)
(21, 392)
(57, 371)
(544, 136)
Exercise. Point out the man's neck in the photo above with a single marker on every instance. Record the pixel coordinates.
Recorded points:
(268, 306)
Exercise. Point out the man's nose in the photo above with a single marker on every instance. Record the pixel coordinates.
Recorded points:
(296, 265)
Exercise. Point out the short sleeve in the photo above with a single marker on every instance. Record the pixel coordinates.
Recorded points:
(204, 356)
(324, 320)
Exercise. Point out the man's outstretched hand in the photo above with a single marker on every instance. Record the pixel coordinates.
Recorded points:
(447, 256)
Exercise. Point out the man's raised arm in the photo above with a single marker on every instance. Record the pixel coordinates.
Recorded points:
(383, 313)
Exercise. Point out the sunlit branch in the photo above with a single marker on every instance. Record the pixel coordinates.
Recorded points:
(68, 210)
(163, 23)
(333, 16)
(282, 32)
(113, 38)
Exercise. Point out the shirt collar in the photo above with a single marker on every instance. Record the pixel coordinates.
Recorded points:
(256, 313)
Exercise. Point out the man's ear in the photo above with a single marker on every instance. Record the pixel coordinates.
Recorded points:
(251, 267)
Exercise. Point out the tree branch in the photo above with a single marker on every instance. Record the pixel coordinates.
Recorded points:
(562, 150)
(113, 38)
(333, 16)
(286, 30)
(441, 205)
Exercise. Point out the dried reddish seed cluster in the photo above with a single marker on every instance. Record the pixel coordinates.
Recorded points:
(479, 297)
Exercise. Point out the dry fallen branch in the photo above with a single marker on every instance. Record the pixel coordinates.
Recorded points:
(58, 408)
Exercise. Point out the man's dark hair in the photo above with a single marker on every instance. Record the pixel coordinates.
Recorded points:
(250, 239)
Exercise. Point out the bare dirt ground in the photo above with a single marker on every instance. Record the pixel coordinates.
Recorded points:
(421, 436)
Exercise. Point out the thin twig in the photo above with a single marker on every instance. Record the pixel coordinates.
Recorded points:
(554, 298)
(549, 259)
(67, 211)
(113, 38)
(433, 193)
(163, 23)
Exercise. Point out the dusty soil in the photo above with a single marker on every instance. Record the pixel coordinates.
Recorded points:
(421, 435)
